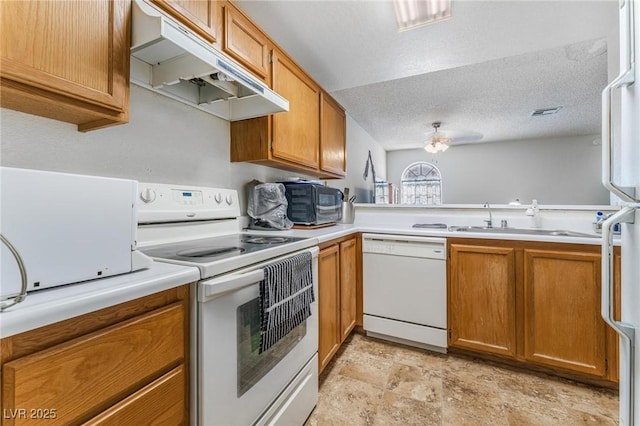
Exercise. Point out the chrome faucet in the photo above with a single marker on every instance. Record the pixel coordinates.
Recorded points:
(490, 221)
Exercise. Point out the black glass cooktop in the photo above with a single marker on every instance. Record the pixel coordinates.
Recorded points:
(217, 248)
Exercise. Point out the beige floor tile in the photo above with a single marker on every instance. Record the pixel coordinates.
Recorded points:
(419, 358)
(555, 417)
(468, 395)
(348, 400)
(371, 381)
(600, 402)
(367, 368)
(418, 383)
(371, 346)
(460, 417)
(399, 410)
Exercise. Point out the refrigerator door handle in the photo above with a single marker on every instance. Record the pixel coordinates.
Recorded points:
(626, 331)
(626, 78)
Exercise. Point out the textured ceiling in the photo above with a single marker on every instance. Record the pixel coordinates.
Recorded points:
(485, 70)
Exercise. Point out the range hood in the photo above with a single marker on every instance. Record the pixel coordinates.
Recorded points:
(170, 59)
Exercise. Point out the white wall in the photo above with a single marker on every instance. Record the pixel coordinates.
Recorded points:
(553, 171)
(358, 146)
(165, 141)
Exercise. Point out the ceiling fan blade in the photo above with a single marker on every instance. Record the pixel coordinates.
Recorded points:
(462, 136)
(457, 136)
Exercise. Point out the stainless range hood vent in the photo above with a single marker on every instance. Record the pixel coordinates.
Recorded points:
(173, 61)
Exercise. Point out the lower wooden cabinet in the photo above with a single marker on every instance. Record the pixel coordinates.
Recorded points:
(535, 304)
(337, 297)
(562, 323)
(348, 277)
(126, 364)
(328, 304)
(482, 298)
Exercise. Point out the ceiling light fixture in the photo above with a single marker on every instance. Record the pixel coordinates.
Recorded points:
(416, 13)
(438, 141)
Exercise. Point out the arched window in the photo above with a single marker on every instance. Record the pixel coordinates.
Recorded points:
(421, 183)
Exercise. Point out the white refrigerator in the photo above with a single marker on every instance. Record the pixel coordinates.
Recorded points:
(622, 178)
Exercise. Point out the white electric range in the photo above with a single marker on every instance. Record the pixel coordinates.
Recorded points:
(232, 382)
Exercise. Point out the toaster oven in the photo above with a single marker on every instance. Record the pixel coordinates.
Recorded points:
(312, 203)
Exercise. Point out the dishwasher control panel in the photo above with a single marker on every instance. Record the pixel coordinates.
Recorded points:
(398, 245)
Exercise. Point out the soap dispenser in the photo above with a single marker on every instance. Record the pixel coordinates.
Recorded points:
(532, 212)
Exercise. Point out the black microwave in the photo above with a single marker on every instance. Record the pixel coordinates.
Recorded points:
(312, 204)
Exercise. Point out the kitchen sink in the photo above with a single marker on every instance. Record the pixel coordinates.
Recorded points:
(522, 231)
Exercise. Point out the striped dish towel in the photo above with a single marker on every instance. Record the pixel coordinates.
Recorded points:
(286, 294)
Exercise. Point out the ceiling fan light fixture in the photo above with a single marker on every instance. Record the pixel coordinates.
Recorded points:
(416, 13)
(438, 142)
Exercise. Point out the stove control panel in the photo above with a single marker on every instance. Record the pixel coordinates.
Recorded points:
(159, 202)
(188, 198)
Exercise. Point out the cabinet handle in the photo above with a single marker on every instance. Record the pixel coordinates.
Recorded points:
(626, 77)
(626, 331)
(23, 275)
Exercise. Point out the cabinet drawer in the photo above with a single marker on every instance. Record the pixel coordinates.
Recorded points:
(84, 376)
(161, 402)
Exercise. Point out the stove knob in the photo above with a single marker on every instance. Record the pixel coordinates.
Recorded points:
(229, 199)
(148, 195)
(218, 198)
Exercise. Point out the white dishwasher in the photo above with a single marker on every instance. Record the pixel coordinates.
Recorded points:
(405, 289)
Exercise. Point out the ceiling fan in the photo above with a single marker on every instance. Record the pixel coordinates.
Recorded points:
(440, 140)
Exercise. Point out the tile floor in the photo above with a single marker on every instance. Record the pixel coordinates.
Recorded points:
(373, 382)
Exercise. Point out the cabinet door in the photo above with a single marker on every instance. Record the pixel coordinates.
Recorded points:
(482, 299)
(348, 278)
(328, 304)
(333, 146)
(67, 60)
(563, 327)
(245, 42)
(201, 16)
(296, 134)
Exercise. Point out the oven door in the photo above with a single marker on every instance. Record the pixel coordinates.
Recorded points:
(235, 383)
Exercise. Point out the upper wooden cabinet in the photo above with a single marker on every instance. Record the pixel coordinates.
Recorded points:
(201, 16)
(333, 136)
(296, 134)
(67, 60)
(245, 42)
(288, 140)
(310, 138)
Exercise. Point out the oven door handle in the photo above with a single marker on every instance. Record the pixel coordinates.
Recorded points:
(215, 287)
